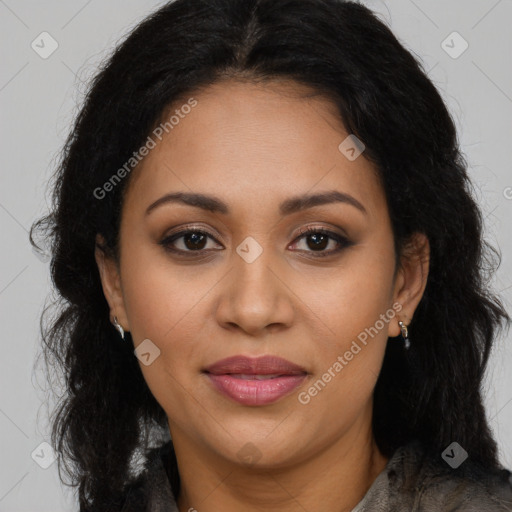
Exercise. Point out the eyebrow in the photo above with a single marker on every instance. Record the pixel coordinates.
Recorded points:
(287, 207)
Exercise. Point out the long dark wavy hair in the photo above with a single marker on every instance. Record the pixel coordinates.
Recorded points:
(344, 52)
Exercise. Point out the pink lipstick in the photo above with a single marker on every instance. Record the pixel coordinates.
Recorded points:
(255, 381)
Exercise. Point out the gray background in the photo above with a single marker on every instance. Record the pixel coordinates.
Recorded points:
(39, 97)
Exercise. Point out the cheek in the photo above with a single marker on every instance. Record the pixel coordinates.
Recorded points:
(352, 296)
(167, 306)
(158, 295)
(355, 319)
(171, 311)
(353, 308)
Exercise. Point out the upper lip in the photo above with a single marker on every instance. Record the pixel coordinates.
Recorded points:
(263, 365)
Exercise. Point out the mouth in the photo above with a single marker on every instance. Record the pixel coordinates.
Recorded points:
(255, 381)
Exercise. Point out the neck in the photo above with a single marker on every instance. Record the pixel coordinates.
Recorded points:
(335, 478)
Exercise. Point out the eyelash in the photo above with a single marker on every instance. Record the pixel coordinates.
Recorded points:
(342, 241)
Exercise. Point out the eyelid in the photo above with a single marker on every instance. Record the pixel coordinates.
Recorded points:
(319, 229)
(181, 230)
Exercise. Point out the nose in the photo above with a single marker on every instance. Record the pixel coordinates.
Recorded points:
(256, 296)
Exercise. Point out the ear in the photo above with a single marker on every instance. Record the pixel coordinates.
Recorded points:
(411, 279)
(111, 283)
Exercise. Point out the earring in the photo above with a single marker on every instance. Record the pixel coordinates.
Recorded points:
(117, 325)
(405, 334)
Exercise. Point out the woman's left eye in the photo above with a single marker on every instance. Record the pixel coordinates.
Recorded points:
(318, 239)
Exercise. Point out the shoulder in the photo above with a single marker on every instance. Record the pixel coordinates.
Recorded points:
(429, 483)
(470, 490)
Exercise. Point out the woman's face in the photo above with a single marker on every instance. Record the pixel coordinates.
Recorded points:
(232, 273)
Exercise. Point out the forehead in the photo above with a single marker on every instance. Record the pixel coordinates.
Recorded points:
(261, 142)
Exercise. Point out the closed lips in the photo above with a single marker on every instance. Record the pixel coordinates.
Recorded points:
(253, 381)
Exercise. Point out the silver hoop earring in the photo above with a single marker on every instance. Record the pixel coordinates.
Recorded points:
(405, 334)
(117, 325)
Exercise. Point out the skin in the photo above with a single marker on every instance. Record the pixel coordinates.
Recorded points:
(252, 147)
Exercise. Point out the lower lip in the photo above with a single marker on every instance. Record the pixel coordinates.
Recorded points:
(256, 392)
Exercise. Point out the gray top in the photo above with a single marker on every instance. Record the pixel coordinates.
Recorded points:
(410, 482)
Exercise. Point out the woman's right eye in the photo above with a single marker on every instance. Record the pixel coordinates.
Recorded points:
(190, 240)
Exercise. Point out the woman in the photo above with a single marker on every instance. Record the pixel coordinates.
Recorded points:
(272, 273)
